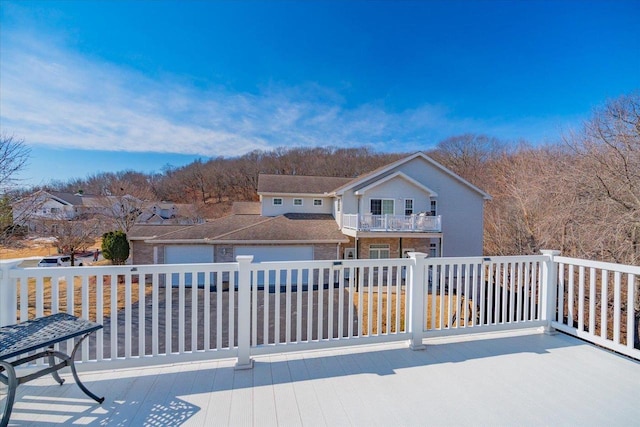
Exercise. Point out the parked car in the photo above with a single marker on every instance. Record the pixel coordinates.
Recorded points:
(56, 261)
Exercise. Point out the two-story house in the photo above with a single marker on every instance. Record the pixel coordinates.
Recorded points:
(413, 204)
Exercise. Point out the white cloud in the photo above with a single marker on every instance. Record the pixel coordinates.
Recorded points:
(58, 98)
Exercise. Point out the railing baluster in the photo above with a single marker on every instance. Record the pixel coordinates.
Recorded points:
(255, 280)
(219, 290)
(350, 307)
(370, 301)
(604, 304)
(127, 316)
(617, 279)
(276, 313)
(288, 314)
(195, 283)
(206, 307)
(312, 282)
(155, 296)
(232, 308)
(85, 311)
(299, 312)
(379, 308)
(581, 298)
(592, 300)
(631, 327)
(113, 335)
(330, 302)
(265, 315)
(99, 314)
(341, 304)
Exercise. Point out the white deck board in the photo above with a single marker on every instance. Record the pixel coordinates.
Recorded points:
(505, 379)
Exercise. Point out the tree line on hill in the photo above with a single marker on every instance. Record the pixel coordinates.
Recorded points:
(580, 195)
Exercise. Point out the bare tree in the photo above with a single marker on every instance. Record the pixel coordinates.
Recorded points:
(13, 158)
(73, 236)
(607, 172)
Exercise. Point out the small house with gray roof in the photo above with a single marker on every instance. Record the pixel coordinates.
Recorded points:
(413, 204)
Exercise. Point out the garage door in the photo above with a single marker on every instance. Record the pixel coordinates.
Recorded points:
(184, 254)
(277, 253)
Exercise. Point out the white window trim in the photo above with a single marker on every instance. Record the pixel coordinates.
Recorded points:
(413, 206)
(273, 201)
(298, 204)
(318, 204)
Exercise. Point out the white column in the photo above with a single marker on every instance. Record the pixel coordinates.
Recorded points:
(416, 299)
(549, 290)
(244, 312)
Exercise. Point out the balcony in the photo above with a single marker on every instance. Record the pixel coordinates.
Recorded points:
(393, 223)
(170, 353)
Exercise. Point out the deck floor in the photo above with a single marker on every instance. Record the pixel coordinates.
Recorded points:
(506, 379)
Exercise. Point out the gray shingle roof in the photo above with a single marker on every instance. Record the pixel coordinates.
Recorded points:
(246, 208)
(298, 184)
(251, 228)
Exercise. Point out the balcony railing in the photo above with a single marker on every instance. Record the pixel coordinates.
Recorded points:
(238, 309)
(415, 222)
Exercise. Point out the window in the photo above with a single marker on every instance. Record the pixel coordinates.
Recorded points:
(377, 251)
(338, 205)
(433, 208)
(408, 206)
(317, 202)
(297, 202)
(433, 250)
(382, 206)
(277, 201)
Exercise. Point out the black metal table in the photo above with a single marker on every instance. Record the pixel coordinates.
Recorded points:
(42, 333)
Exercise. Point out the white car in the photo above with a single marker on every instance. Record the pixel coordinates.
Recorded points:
(56, 261)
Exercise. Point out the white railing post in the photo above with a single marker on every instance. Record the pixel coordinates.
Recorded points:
(244, 312)
(416, 299)
(549, 289)
(8, 294)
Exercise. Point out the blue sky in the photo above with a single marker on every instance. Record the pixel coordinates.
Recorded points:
(97, 86)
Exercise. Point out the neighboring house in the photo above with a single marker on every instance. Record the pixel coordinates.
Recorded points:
(413, 204)
(169, 213)
(43, 210)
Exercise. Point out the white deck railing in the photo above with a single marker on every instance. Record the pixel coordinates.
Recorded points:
(595, 302)
(415, 222)
(244, 308)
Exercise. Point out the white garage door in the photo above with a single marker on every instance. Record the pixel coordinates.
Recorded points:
(184, 254)
(277, 253)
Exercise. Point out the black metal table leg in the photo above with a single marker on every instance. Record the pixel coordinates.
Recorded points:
(52, 362)
(12, 383)
(75, 374)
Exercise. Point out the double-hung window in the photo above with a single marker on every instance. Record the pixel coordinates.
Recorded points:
(277, 201)
(408, 207)
(297, 202)
(377, 251)
(382, 206)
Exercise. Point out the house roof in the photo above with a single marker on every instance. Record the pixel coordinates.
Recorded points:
(311, 228)
(387, 168)
(299, 184)
(146, 231)
(67, 198)
(246, 208)
(290, 228)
